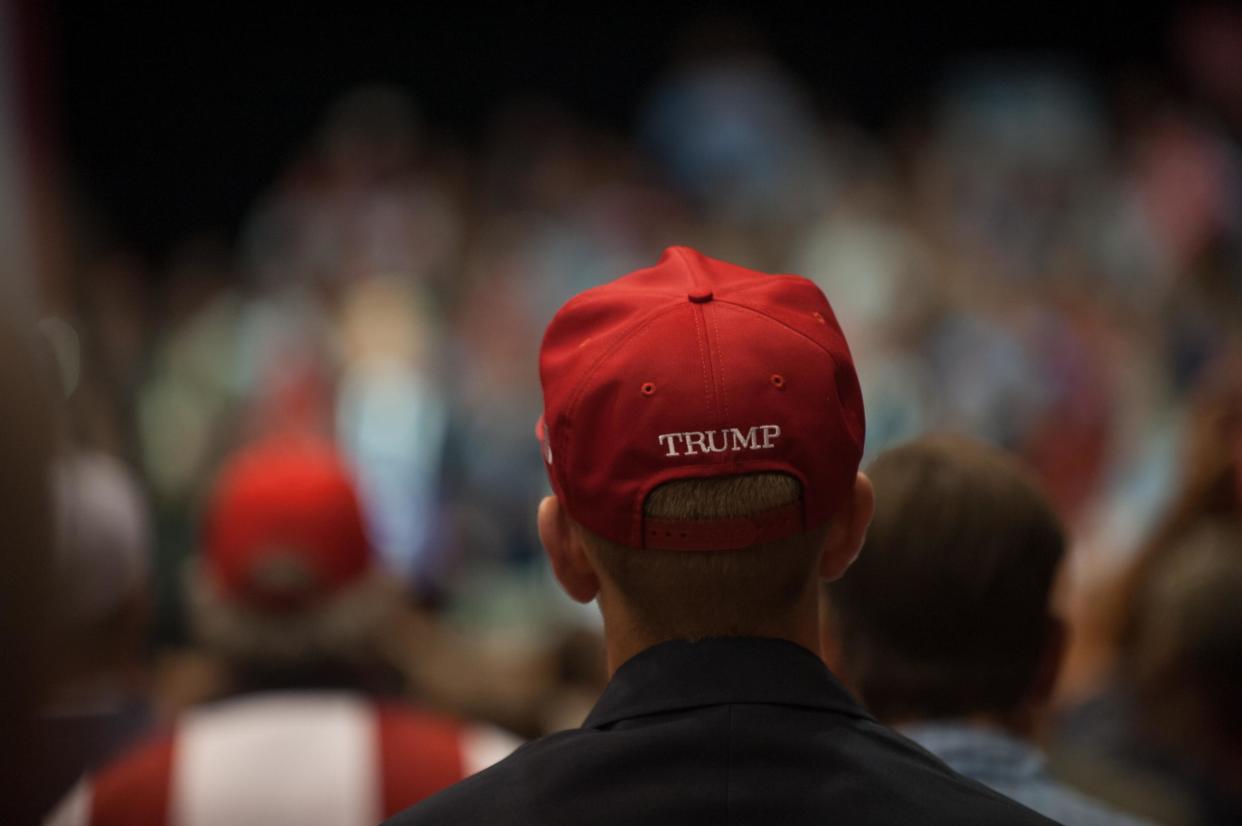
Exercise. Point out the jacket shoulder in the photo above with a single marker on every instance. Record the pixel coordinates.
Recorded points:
(496, 795)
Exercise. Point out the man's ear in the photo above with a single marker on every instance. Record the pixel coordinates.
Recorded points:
(563, 543)
(848, 530)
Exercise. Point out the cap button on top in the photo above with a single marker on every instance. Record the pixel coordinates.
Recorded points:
(699, 296)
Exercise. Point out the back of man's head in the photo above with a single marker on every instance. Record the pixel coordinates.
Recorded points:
(702, 431)
(736, 592)
(946, 613)
(287, 582)
(1184, 662)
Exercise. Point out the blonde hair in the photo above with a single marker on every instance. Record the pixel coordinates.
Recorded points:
(730, 496)
(696, 594)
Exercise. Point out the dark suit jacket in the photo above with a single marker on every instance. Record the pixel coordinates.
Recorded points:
(722, 732)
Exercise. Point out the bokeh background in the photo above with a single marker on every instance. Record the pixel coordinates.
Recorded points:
(357, 223)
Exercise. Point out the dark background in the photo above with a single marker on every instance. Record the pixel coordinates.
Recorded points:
(173, 119)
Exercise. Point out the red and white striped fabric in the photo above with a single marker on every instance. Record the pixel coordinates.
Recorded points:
(306, 758)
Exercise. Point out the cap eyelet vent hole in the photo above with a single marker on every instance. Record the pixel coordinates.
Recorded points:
(818, 317)
(778, 381)
(648, 388)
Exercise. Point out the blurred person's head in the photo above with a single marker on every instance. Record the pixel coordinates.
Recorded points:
(1019, 143)
(288, 587)
(1176, 608)
(735, 133)
(102, 567)
(946, 613)
(1209, 488)
(702, 430)
(1186, 667)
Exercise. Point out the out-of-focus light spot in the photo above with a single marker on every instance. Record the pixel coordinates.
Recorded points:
(67, 348)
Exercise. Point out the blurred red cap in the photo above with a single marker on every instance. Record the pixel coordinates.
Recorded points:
(697, 368)
(284, 527)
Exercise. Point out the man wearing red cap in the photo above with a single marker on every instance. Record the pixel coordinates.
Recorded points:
(702, 431)
(288, 593)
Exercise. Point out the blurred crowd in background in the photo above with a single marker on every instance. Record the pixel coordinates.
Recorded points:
(1030, 256)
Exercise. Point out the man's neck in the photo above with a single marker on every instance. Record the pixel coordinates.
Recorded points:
(624, 638)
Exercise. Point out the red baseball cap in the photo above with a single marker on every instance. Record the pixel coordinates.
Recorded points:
(283, 526)
(697, 368)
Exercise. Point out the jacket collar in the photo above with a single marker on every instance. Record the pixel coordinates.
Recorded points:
(680, 675)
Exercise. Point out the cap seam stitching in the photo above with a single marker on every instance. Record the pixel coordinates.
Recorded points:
(784, 324)
(719, 374)
(709, 375)
(612, 348)
(580, 390)
(768, 277)
(859, 443)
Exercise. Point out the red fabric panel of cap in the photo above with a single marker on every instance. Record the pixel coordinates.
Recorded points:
(284, 525)
(696, 368)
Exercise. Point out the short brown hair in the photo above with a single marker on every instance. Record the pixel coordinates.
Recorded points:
(1184, 662)
(945, 612)
(696, 594)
